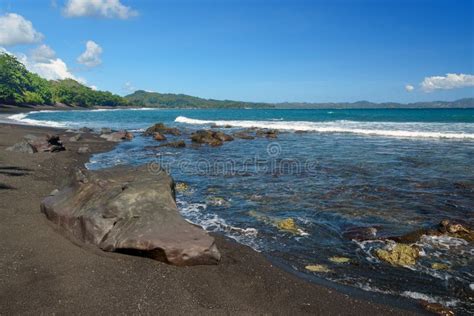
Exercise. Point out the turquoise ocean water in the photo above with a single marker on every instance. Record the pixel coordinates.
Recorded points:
(338, 173)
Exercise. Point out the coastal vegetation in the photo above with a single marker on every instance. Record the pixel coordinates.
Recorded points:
(171, 100)
(20, 86)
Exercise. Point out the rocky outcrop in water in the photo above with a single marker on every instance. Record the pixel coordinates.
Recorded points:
(445, 228)
(161, 128)
(117, 136)
(211, 138)
(158, 136)
(129, 210)
(243, 135)
(399, 254)
(268, 133)
(176, 144)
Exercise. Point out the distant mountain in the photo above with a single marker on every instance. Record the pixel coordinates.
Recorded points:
(461, 103)
(170, 100)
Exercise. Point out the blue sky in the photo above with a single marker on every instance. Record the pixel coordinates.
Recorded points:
(272, 51)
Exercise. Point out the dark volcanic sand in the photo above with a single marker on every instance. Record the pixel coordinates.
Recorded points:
(41, 272)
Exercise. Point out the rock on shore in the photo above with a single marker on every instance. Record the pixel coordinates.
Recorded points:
(129, 210)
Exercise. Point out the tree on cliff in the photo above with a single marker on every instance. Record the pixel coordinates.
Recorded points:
(19, 86)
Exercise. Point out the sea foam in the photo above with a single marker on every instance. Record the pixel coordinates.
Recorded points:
(22, 118)
(401, 130)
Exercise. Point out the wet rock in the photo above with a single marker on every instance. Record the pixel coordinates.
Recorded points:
(105, 130)
(318, 268)
(457, 230)
(301, 132)
(132, 211)
(22, 147)
(176, 144)
(288, 224)
(399, 254)
(83, 150)
(436, 308)
(445, 228)
(268, 133)
(75, 138)
(339, 260)
(86, 130)
(181, 187)
(211, 138)
(283, 224)
(243, 135)
(158, 136)
(360, 233)
(161, 128)
(117, 136)
(223, 137)
(439, 266)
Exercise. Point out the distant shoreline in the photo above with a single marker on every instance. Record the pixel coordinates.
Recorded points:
(29, 108)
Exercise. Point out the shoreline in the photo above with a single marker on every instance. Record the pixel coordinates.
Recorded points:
(36, 257)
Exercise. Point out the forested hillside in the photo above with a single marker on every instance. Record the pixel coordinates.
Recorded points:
(19, 86)
(171, 100)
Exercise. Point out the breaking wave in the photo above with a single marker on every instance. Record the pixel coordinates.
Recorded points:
(22, 118)
(387, 129)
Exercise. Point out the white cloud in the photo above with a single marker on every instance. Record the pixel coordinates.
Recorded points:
(128, 87)
(15, 29)
(43, 54)
(409, 88)
(91, 56)
(52, 69)
(450, 81)
(98, 8)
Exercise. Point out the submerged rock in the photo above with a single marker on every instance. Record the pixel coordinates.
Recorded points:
(158, 136)
(360, 233)
(399, 254)
(243, 135)
(161, 128)
(268, 133)
(338, 259)
(288, 224)
(176, 144)
(284, 224)
(445, 228)
(129, 210)
(181, 187)
(318, 268)
(439, 266)
(211, 138)
(436, 308)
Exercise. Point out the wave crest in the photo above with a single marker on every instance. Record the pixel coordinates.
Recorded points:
(399, 130)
